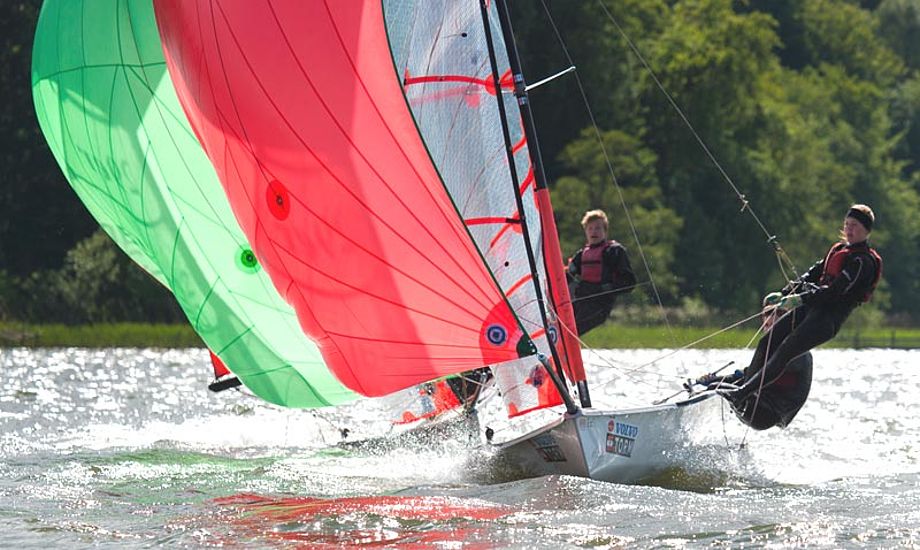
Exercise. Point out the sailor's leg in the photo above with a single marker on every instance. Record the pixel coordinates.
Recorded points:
(770, 341)
(816, 329)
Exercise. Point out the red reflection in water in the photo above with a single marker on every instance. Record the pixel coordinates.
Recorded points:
(407, 522)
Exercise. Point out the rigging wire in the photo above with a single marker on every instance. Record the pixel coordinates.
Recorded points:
(736, 324)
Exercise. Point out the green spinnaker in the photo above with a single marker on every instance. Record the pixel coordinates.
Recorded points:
(108, 109)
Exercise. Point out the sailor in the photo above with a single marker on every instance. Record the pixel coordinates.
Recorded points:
(779, 401)
(597, 273)
(821, 300)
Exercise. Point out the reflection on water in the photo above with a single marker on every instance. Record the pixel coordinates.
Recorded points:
(126, 447)
(376, 520)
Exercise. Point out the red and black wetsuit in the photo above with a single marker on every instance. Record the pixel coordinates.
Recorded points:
(599, 273)
(830, 290)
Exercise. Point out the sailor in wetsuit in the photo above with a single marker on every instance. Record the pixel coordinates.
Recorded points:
(822, 299)
(780, 401)
(597, 273)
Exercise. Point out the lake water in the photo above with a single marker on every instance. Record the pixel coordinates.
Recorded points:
(127, 448)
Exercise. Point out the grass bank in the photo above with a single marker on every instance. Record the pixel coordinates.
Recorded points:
(606, 337)
(99, 336)
(612, 336)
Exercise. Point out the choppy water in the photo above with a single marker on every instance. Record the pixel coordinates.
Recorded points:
(126, 448)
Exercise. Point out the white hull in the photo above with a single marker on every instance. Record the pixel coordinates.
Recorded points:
(618, 446)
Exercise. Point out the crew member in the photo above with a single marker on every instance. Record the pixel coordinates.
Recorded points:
(597, 273)
(821, 300)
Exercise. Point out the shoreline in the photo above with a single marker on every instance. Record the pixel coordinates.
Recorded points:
(609, 336)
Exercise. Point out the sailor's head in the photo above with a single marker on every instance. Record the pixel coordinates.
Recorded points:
(857, 224)
(594, 223)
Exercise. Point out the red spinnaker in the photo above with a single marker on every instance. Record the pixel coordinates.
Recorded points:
(300, 110)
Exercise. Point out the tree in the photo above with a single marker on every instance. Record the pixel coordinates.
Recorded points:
(98, 283)
(719, 87)
(899, 28)
(42, 218)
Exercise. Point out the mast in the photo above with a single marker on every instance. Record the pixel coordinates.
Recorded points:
(557, 377)
(553, 257)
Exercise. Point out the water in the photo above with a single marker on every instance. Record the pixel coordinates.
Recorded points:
(126, 448)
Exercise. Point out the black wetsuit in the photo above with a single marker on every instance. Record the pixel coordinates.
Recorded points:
(827, 304)
(780, 401)
(592, 301)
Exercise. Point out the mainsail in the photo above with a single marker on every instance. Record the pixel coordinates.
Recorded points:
(110, 114)
(441, 51)
(301, 112)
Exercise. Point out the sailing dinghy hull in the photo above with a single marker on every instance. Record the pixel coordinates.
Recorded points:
(626, 446)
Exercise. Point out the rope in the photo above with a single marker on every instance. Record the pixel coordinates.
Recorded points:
(695, 342)
(604, 293)
(745, 204)
(610, 363)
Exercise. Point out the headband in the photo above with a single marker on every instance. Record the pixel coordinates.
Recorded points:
(861, 217)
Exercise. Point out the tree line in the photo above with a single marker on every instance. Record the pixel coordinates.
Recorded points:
(806, 105)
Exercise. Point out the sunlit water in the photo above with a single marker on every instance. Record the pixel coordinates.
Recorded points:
(127, 448)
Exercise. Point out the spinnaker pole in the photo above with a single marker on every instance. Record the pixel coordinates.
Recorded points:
(552, 251)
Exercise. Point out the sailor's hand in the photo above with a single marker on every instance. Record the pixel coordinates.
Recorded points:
(773, 298)
(790, 302)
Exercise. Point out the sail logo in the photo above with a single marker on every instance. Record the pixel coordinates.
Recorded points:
(621, 438)
(497, 335)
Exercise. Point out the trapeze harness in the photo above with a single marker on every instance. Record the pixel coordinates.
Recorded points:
(837, 258)
(592, 305)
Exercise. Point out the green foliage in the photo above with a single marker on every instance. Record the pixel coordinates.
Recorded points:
(716, 64)
(905, 116)
(97, 284)
(899, 27)
(99, 335)
(808, 105)
(42, 218)
(816, 32)
(808, 108)
(613, 336)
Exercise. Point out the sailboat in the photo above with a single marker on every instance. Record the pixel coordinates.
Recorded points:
(381, 158)
(380, 161)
